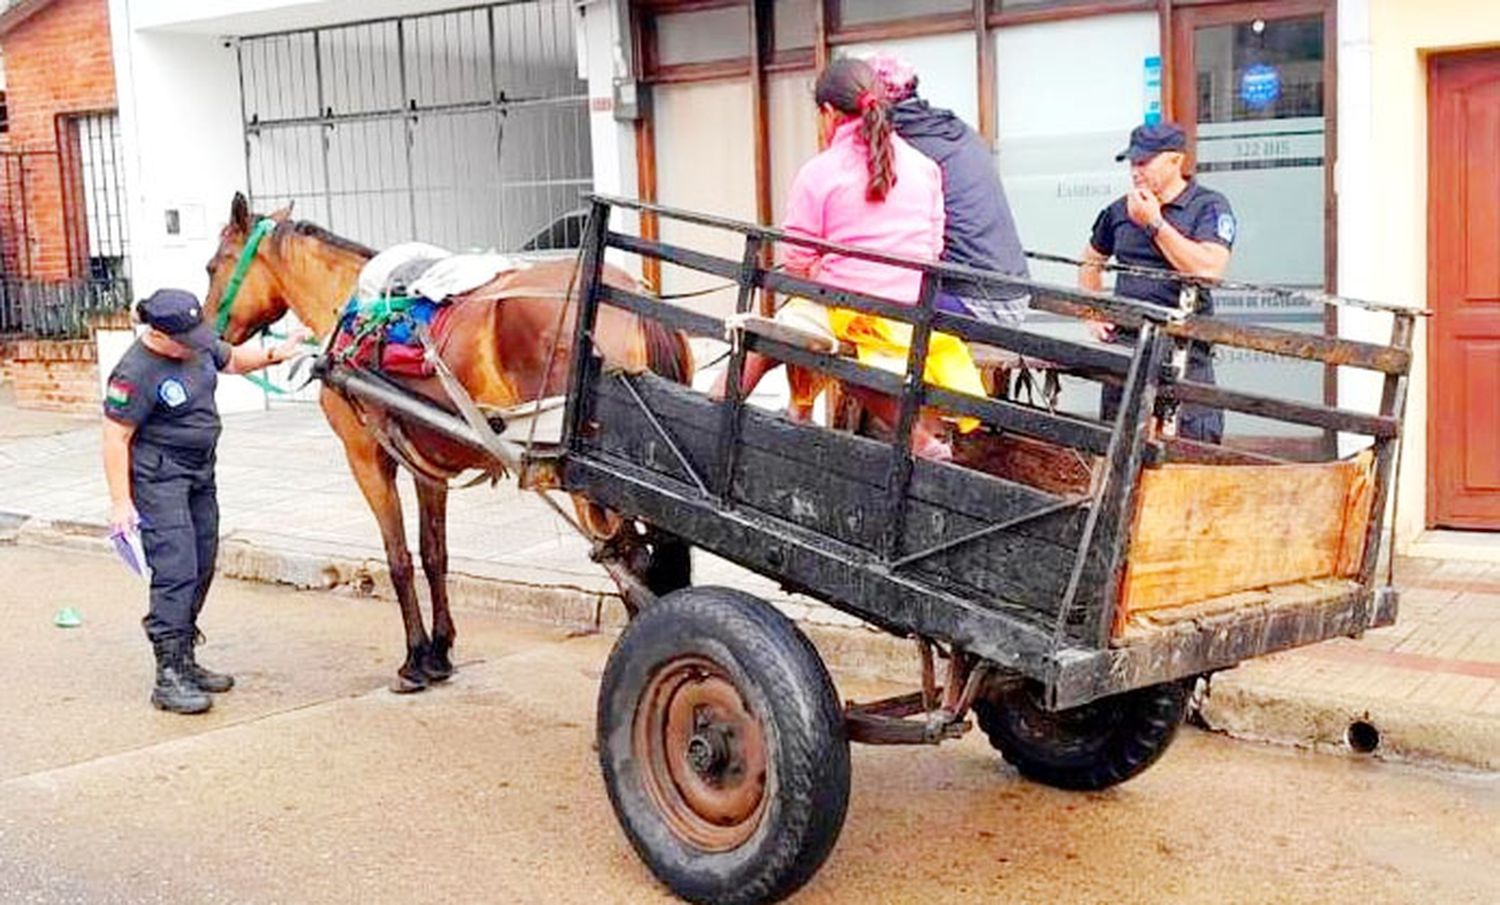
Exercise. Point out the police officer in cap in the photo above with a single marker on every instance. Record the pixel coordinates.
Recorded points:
(160, 430)
(1167, 221)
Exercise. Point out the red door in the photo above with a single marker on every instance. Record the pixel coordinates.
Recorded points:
(1464, 291)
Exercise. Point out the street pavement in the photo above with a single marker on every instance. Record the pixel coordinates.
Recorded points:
(310, 783)
(1429, 686)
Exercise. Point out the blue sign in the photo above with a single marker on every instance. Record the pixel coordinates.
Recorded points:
(1152, 90)
(1260, 85)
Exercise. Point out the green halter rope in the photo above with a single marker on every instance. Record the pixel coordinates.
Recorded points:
(252, 244)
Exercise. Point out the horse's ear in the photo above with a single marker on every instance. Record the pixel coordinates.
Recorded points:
(281, 216)
(239, 213)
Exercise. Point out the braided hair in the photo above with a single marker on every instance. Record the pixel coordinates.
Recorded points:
(851, 87)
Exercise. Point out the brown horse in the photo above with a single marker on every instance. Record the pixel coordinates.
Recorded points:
(501, 351)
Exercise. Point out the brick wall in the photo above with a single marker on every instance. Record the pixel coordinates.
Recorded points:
(52, 375)
(57, 61)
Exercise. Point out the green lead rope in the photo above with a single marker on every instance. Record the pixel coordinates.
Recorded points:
(252, 244)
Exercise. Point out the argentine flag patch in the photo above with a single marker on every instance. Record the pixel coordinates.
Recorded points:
(118, 393)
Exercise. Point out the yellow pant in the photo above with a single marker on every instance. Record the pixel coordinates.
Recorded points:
(885, 344)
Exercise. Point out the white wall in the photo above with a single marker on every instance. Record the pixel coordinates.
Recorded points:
(180, 118)
(604, 53)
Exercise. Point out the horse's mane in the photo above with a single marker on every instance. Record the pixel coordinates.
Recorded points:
(314, 231)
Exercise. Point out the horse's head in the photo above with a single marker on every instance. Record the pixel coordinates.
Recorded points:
(258, 299)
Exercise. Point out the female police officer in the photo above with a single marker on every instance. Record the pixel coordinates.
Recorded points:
(160, 430)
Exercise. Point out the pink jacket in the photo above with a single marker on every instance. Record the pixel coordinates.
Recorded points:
(828, 202)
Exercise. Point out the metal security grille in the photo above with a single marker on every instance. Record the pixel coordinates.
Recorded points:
(467, 129)
(64, 247)
(93, 187)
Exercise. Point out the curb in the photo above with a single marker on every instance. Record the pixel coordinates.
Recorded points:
(1235, 703)
(1243, 708)
(863, 652)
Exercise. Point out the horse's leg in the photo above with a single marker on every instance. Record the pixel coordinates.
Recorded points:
(375, 472)
(432, 500)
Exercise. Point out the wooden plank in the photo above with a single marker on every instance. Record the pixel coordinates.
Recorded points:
(1309, 346)
(675, 317)
(840, 575)
(1081, 357)
(1280, 409)
(1046, 466)
(839, 298)
(1393, 404)
(1195, 646)
(913, 394)
(585, 364)
(1094, 585)
(1181, 449)
(1202, 531)
(650, 249)
(1077, 433)
(692, 418)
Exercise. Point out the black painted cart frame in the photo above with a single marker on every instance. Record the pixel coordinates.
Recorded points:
(1023, 580)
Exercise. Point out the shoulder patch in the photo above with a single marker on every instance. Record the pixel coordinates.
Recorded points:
(118, 393)
(1226, 227)
(172, 392)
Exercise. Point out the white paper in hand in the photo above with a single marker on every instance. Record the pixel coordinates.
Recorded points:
(131, 551)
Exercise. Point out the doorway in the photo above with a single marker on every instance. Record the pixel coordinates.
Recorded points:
(1464, 291)
(1253, 83)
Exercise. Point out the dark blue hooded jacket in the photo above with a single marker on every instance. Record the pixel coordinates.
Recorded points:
(980, 230)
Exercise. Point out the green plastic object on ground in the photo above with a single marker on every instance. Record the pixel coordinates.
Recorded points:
(67, 617)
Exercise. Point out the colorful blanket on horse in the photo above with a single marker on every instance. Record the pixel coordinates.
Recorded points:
(402, 289)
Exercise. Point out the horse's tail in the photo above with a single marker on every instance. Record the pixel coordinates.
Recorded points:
(668, 352)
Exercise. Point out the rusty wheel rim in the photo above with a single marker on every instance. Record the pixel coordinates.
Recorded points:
(702, 754)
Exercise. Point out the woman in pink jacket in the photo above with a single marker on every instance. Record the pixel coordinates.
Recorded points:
(872, 190)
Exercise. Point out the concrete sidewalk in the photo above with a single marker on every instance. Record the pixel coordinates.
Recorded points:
(1426, 689)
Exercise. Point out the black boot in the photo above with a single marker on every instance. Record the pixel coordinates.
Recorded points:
(206, 679)
(175, 691)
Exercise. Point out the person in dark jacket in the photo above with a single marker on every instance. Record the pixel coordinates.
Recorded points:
(980, 231)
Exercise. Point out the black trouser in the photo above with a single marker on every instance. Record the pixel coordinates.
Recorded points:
(1194, 422)
(176, 499)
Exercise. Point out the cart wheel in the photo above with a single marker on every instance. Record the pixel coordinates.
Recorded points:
(722, 745)
(1094, 746)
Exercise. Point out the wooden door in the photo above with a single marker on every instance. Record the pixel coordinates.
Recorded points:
(1463, 251)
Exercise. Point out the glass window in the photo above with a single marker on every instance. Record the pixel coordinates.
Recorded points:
(703, 36)
(947, 69)
(794, 24)
(1260, 99)
(1259, 70)
(868, 12)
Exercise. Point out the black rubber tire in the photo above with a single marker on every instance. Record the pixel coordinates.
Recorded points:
(1098, 745)
(783, 683)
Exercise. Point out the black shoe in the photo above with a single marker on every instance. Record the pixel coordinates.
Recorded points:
(175, 691)
(206, 679)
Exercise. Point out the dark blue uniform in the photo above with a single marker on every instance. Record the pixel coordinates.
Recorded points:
(1203, 215)
(170, 402)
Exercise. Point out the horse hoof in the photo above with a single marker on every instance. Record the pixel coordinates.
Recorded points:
(407, 685)
(437, 670)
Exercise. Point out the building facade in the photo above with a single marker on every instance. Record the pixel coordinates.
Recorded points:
(396, 119)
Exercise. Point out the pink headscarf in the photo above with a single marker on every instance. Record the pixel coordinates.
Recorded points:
(897, 75)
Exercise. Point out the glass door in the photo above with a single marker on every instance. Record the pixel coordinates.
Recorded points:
(1253, 82)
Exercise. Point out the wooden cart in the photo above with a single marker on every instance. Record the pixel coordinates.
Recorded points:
(1066, 590)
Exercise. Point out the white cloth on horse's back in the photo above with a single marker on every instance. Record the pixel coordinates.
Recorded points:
(458, 274)
(392, 271)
